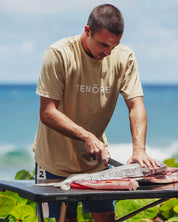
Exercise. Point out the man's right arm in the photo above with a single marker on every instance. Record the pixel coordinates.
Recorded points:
(53, 118)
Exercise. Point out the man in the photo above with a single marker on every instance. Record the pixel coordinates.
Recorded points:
(79, 84)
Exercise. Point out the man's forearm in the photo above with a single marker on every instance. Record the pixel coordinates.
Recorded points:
(62, 124)
(138, 125)
(53, 118)
(138, 122)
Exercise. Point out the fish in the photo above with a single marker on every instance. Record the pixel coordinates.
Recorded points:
(114, 184)
(130, 171)
(170, 176)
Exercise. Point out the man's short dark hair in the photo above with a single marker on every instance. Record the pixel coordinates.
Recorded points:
(108, 17)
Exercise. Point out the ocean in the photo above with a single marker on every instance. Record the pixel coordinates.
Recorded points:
(19, 115)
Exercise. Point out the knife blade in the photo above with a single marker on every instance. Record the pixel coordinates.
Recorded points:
(113, 162)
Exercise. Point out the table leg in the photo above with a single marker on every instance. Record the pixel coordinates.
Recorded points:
(39, 212)
(63, 212)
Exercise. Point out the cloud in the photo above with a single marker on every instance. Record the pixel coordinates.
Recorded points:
(24, 48)
(152, 29)
(27, 47)
(45, 7)
(5, 50)
(28, 27)
(56, 7)
(159, 42)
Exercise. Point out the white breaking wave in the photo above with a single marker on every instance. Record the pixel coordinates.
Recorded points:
(122, 152)
(14, 158)
(5, 148)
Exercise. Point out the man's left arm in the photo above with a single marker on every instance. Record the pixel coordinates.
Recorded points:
(138, 126)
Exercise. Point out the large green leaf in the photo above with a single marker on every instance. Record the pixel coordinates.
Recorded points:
(176, 209)
(83, 217)
(7, 204)
(166, 208)
(171, 162)
(24, 175)
(32, 204)
(173, 219)
(125, 207)
(11, 218)
(19, 200)
(22, 211)
(31, 218)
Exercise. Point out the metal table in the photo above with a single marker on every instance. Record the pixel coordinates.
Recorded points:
(28, 190)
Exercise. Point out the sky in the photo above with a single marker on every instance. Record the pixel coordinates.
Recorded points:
(28, 27)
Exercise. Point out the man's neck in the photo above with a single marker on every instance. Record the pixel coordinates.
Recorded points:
(84, 44)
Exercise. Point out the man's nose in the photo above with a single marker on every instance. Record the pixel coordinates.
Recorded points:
(107, 52)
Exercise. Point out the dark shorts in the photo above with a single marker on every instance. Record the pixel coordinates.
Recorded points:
(52, 209)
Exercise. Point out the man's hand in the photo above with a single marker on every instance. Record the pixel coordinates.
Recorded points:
(96, 149)
(141, 157)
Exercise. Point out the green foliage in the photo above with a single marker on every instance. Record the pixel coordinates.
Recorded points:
(11, 218)
(125, 207)
(15, 196)
(175, 209)
(81, 216)
(25, 175)
(169, 208)
(14, 208)
(173, 219)
(7, 204)
(22, 211)
(171, 162)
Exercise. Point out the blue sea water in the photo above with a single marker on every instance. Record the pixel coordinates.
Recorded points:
(19, 121)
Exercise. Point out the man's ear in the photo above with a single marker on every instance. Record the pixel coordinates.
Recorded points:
(87, 30)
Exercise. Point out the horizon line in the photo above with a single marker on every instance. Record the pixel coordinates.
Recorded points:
(29, 83)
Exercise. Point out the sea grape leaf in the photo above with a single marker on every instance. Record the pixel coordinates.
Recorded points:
(31, 218)
(7, 204)
(11, 218)
(32, 204)
(176, 209)
(19, 200)
(24, 175)
(125, 207)
(173, 219)
(83, 217)
(170, 162)
(22, 211)
(141, 220)
(166, 208)
(51, 220)
(151, 212)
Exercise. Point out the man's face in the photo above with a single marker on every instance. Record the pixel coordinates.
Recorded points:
(101, 43)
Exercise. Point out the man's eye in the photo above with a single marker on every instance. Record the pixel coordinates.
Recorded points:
(104, 44)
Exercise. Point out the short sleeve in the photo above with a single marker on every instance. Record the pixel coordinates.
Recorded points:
(131, 85)
(51, 80)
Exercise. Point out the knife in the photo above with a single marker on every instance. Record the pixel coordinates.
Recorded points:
(110, 160)
(113, 162)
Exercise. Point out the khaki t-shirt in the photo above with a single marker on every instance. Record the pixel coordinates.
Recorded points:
(88, 90)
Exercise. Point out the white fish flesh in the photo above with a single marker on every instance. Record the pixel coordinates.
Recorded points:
(115, 184)
(170, 176)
